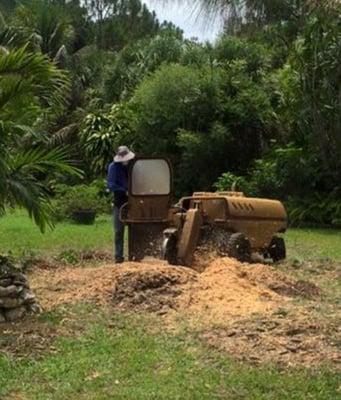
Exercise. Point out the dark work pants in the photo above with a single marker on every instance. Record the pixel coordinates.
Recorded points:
(119, 235)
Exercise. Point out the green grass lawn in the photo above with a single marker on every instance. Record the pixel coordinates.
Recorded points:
(19, 235)
(314, 243)
(122, 357)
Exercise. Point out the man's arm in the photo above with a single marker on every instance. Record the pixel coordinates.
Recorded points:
(111, 180)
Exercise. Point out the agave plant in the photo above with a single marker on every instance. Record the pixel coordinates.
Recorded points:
(29, 84)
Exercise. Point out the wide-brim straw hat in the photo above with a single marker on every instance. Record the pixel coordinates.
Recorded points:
(124, 154)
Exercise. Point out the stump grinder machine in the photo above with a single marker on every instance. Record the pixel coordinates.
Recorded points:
(227, 222)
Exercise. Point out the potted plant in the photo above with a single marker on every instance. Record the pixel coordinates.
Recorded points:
(81, 203)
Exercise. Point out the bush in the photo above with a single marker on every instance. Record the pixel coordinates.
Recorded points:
(266, 180)
(282, 173)
(256, 56)
(174, 97)
(71, 199)
(200, 117)
(227, 181)
(317, 209)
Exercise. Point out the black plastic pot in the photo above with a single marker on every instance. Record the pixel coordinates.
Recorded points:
(84, 217)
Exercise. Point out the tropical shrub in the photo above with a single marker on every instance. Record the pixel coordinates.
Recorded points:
(71, 199)
(174, 97)
(201, 117)
(228, 181)
(255, 55)
(318, 209)
(102, 133)
(283, 172)
(135, 61)
(310, 102)
(30, 86)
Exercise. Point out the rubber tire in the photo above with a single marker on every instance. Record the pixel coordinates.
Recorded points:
(239, 247)
(276, 249)
(169, 250)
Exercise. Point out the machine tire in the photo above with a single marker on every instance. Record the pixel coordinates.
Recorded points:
(238, 247)
(169, 250)
(276, 249)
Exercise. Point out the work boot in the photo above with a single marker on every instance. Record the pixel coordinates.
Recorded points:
(119, 260)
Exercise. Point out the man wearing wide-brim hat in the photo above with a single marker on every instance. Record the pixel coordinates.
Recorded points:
(118, 184)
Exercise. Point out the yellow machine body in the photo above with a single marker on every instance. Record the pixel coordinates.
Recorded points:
(258, 219)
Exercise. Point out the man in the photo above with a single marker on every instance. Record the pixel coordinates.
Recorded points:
(118, 184)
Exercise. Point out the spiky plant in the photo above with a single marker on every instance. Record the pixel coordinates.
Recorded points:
(29, 84)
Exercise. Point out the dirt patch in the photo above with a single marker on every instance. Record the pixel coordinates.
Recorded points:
(299, 288)
(293, 340)
(278, 282)
(32, 338)
(153, 289)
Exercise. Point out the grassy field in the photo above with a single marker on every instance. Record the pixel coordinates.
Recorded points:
(314, 243)
(19, 235)
(126, 357)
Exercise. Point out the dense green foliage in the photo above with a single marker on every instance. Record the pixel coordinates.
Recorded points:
(68, 200)
(261, 105)
(30, 86)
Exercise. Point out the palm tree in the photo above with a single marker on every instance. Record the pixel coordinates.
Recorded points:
(7, 6)
(47, 25)
(260, 11)
(29, 85)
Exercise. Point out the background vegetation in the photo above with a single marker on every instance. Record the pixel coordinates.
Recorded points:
(260, 106)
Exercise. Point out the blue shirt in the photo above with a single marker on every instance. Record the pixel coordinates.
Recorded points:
(117, 177)
(117, 182)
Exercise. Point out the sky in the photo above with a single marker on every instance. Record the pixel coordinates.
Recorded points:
(187, 18)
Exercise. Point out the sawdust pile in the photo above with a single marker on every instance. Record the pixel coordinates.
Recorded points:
(223, 291)
(226, 288)
(244, 309)
(128, 286)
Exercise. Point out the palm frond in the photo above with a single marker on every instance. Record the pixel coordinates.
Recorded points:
(29, 84)
(43, 161)
(66, 135)
(239, 8)
(30, 194)
(23, 184)
(10, 36)
(2, 21)
(23, 73)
